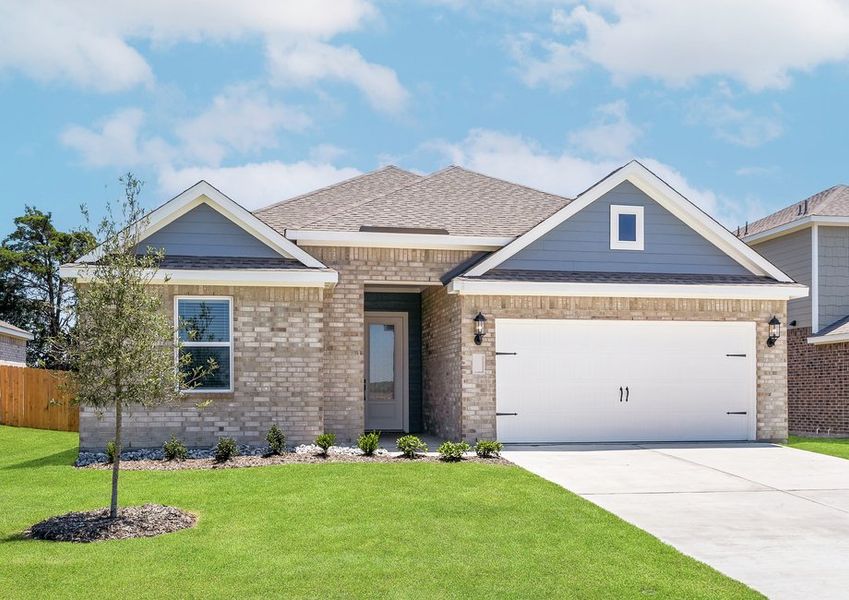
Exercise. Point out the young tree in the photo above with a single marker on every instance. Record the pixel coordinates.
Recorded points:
(123, 346)
(32, 295)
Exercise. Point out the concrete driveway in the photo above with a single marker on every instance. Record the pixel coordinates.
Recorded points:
(772, 517)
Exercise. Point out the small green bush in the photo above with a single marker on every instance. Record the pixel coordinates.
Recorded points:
(368, 442)
(410, 445)
(488, 448)
(111, 451)
(453, 451)
(175, 449)
(324, 441)
(276, 440)
(225, 449)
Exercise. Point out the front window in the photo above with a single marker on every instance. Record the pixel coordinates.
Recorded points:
(626, 227)
(205, 327)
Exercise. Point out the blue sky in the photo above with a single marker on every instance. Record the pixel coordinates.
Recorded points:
(742, 108)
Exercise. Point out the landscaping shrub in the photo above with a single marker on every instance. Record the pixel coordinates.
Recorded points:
(368, 442)
(175, 449)
(225, 449)
(488, 448)
(110, 451)
(276, 440)
(452, 451)
(324, 441)
(410, 445)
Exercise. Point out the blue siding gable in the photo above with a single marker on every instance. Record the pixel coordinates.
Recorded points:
(203, 231)
(582, 243)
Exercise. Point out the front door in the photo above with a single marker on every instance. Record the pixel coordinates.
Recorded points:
(385, 379)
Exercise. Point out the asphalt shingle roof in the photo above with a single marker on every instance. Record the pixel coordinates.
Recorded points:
(837, 329)
(457, 200)
(300, 211)
(177, 262)
(833, 202)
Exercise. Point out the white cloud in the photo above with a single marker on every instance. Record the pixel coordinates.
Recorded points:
(254, 185)
(89, 42)
(611, 135)
(743, 127)
(306, 62)
(241, 119)
(525, 161)
(116, 141)
(759, 43)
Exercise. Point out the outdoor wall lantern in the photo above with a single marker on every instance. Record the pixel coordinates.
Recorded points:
(774, 331)
(479, 328)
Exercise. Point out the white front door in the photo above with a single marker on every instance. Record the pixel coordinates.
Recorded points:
(608, 381)
(385, 379)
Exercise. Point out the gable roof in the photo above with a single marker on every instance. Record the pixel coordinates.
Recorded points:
(204, 193)
(833, 202)
(15, 332)
(303, 210)
(456, 201)
(661, 192)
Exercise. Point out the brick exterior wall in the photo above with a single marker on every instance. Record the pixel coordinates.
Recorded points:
(13, 350)
(478, 391)
(344, 412)
(278, 344)
(818, 385)
(440, 356)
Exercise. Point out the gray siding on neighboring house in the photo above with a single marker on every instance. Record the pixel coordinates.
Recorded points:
(833, 274)
(792, 254)
(582, 243)
(203, 231)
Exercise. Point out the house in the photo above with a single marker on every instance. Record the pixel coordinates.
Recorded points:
(13, 345)
(809, 240)
(468, 307)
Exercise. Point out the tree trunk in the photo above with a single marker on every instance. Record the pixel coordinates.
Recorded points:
(113, 507)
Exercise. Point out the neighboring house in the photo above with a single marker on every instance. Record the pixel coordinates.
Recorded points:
(467, 307)
(809, 240)
(13, 344)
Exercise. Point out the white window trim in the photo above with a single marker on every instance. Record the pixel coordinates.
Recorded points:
(615, 242)
(229, 344)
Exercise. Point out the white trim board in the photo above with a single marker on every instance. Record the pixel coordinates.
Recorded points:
(243, 277)
(662, 193)
(15, 333)
(204, 193)
(797, 225)
(370, 239)
(818, 340)
(470, 287)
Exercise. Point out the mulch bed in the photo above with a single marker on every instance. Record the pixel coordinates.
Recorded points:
(283, 459)
(95, 525)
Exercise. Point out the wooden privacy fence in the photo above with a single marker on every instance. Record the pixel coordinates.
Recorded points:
(33, 398)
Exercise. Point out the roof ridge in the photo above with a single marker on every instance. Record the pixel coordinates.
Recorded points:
(827, 195)
(333, 185)
(421, 179)
(830, 195)
(521, 185)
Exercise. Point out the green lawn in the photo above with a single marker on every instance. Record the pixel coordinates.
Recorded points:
(834, 446)
(332, 531)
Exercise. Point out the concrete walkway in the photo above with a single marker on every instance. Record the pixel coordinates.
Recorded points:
(772, 517)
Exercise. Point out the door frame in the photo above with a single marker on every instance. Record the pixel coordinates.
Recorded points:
(400, 341)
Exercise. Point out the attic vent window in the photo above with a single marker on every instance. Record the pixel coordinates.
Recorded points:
(626, 227)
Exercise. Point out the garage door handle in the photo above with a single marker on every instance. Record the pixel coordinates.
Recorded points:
(620, 393)
(737, 412)
(498, 414)
(627, 393)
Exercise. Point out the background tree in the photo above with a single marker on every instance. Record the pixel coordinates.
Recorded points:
(123, 346)
(32, 295)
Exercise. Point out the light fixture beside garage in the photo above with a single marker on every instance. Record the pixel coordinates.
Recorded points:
(480, 320)
(774, 331)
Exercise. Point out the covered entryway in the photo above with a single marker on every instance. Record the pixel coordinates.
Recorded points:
(606, 381)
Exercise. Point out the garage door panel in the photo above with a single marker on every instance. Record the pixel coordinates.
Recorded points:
(563, 382)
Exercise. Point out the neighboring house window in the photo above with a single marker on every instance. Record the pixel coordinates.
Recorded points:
(205, 327)
(626, 227)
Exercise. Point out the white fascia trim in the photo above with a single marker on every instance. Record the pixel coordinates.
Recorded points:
(240, 277)
(659, 191)
(203, 193)
(369, 239)
(16, 333)
(815, 278)
(468, 287)
(829, 339)
(794, 226)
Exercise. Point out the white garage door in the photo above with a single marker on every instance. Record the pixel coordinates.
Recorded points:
(598, 381)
